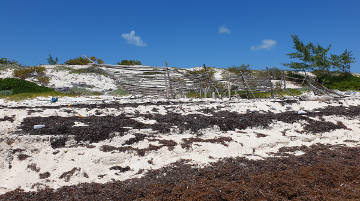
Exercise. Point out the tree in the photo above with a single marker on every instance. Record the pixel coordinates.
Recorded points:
(342, 61)
(309, 56)
(315, 57)
(51, 60)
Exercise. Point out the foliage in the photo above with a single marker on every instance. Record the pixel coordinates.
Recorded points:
(18, 86)
(315, 57)
(205, 76)
(4, 67)
(100, 61)
(6, 93)
(202, 71)
(129, 62)
(44, 80)
(194, 94)
(7, 61)
(23, 96)
(244, 68)
(90, 69)
(52, 61)
(343, 61)
(339, 80)
(27, 72)
(96, 60)
(120, 92)
(62, 68)
(275, 73)
(294, 77)
(309, 55)
(293, 92)
(78, 91)
(78, 61)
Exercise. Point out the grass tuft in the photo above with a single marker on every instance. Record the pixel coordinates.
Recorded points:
(91, 69)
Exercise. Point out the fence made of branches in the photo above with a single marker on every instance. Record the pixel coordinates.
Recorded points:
(171, 82)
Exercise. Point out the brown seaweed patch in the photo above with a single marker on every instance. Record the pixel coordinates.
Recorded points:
(187, 142)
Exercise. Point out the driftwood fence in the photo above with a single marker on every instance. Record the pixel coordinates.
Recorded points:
(175, 83)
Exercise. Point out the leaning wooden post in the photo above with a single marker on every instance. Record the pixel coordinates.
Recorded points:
(247, 86)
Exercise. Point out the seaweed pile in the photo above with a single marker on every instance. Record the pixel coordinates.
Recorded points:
(322, 173)
(100, 128)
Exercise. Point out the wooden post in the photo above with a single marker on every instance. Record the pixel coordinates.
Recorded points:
(167, 80)
(284, 79)
(229, 91)
(247, 86)
(272, 86)
(272, 90)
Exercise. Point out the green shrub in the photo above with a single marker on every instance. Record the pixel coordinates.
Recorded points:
(239, 69)
(6, 92)
(99, 61)
(267, 94)
(340, 81)
(18, 86)
(78, 61)
(129, 62)
(22, 96)
(27, 72)
(4, 67)
(78, 91)
(44, 80)
(91, 69)
(7, 61)
(62, 68)
(120, 92)
(202, 71)
(38, 72)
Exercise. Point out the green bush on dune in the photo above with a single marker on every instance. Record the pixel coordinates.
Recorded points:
(36, 71)
(83, 61)
(17, 86)
(339, 80)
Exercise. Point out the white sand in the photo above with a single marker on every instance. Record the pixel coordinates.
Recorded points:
(92, 162)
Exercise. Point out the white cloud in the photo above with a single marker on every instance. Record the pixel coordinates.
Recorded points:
(224, 30)
(266, 44)
(131, 38)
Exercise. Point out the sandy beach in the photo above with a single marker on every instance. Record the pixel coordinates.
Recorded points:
(106, 139)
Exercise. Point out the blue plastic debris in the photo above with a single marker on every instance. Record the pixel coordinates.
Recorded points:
(54, 99)
(38, 126)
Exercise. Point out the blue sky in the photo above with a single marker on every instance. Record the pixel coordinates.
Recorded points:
(185, 33)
